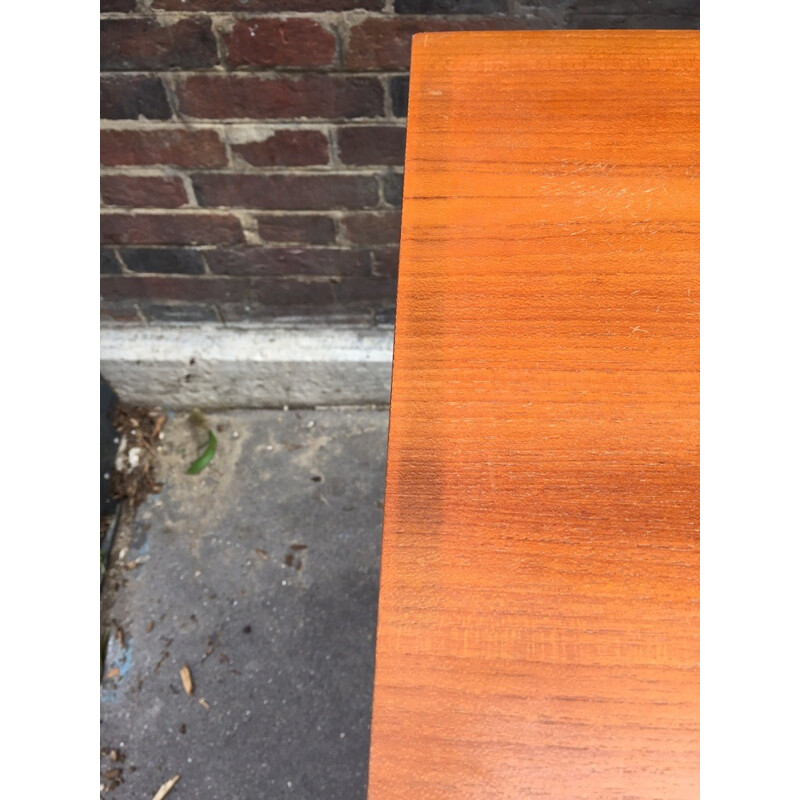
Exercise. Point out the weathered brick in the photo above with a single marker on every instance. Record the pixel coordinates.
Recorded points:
(385, 261)
(286, 149)
(285, 261)
(140, 44)
(177, 229)
(373, 228)
(385, 315)
(375, 144)
(161, 288)
(398, 89)
(271, 6)
(366, 290)
(107, 6)
(163, 260)
(323, 309)
(289, 192)
(254, 97)
(143, 191)
(271, 42)
(297, 228)
(133, 96)
(175, 146)
(636, 14)
(451, 6)
(179, 312)
(108, 262)
(393, 188)
(385, 42)
(284, 293)
(119, 311)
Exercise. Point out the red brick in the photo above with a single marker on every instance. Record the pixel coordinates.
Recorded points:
(286, 149)
(133, 96)
(290, 192)
(170, 229)
(385, 42)
(299, 228)
(175, 146)
(286, 261)
(254, 97)
(375, 144)
(378, 228)
(141, 44)
(142, 192)
(119, 311)
(271, 6)
(157, 287)
(271, 42)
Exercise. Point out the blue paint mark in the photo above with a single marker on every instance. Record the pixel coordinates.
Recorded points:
(117, 658)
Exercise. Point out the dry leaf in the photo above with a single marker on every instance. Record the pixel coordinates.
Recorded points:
(166, 788)
(262, 554)
(186, 679)
(159, 424)
(203, 703)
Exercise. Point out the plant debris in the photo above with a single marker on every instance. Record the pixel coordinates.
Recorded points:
(197, 420)
(186, 679)
(166, 788)
(204, 460)
(133, 477)
(112, 778)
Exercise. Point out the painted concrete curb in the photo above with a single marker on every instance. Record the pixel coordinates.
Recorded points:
(210, 366)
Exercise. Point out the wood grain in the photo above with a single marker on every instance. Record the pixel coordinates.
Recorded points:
(538, 618)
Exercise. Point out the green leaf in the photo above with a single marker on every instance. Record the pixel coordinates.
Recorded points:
(205, 457)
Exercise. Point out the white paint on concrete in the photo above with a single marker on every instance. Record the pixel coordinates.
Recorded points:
(210, 366)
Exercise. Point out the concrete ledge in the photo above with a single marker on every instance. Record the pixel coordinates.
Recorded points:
(210, 366)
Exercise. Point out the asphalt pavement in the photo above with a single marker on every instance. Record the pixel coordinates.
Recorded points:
(260, 575)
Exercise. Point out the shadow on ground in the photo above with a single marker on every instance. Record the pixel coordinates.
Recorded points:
(261, 575)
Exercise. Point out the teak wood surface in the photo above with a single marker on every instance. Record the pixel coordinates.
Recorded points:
(538, 620)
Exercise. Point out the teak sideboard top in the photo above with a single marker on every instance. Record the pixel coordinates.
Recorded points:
(538, 620)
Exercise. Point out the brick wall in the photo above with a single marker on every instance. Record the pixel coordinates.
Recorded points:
(252, 150)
